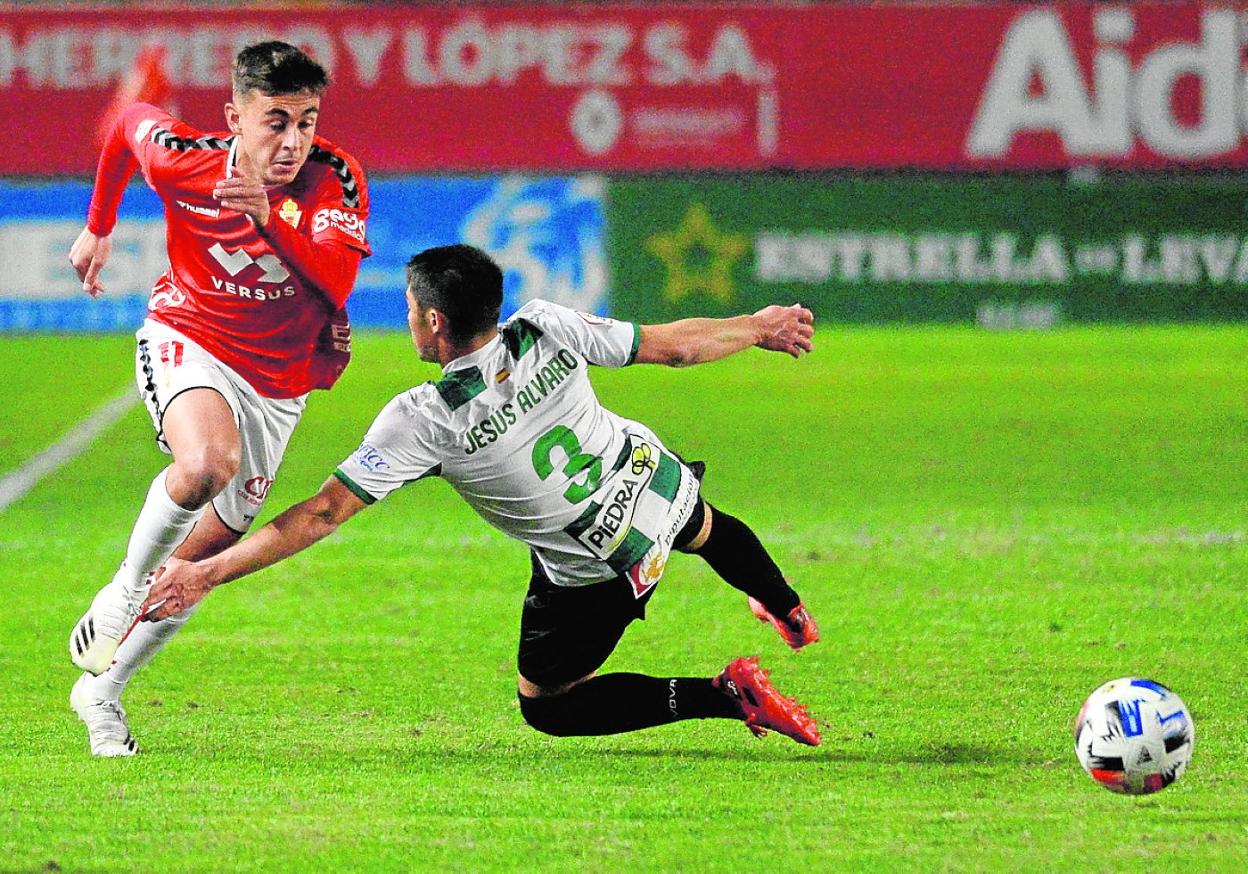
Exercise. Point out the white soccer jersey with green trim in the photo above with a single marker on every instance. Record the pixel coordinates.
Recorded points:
(516, 429)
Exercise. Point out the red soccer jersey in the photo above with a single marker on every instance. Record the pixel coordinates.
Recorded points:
(266, 302)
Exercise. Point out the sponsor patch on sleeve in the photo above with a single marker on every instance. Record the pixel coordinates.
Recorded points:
(345, 220)
(370, 459)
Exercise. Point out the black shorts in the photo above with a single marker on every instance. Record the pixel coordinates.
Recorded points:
(567, 632)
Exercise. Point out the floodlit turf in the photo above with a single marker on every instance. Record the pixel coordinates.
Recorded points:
(54, 382)
(986, 526)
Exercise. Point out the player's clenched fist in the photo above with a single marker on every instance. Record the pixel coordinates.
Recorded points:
(246, 196)
(89, 254)
(786, 329)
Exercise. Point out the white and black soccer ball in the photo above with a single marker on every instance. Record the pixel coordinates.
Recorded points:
(1134, 736)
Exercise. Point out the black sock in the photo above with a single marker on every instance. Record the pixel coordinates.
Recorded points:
(614, 703)
(735, 553)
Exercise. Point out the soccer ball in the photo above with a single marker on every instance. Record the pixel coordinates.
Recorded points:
(1134, 736)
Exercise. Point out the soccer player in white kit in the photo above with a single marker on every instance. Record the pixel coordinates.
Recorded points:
(516, 429)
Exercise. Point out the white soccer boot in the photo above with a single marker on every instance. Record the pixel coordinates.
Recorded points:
(99, 632)
(105, 720)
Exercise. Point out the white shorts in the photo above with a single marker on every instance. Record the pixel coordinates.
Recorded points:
(168, 364)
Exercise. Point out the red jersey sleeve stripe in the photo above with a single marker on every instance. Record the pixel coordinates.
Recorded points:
(350, 188)
(166, 139)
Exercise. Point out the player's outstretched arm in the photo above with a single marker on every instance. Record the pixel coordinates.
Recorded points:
(183, 584)
(697, 341)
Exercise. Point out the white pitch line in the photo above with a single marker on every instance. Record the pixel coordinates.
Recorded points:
(16, 484)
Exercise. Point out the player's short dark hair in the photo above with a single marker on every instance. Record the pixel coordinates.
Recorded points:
(460, 281)
(275, 67)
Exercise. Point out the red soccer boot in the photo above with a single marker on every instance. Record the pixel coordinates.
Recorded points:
(762, 706)
(797, 629)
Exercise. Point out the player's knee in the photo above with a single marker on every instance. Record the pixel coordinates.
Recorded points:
(548, 714)
(204, 474)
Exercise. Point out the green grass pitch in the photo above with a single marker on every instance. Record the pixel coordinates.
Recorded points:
(986, 527)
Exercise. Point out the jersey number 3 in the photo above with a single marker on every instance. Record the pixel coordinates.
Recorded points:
(579, 462)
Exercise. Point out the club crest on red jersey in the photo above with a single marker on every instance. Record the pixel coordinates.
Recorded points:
(290, 213)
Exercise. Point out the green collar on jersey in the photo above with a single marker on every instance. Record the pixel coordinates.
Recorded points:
(520, 336)
(459, 387)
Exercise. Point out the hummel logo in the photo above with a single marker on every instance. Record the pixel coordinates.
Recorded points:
(200, 210)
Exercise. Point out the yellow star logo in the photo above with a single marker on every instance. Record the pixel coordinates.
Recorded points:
(698, 256)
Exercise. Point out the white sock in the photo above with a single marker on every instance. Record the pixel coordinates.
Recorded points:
(139, 648)
(160, 529)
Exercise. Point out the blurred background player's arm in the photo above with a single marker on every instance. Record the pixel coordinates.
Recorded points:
(697, 341)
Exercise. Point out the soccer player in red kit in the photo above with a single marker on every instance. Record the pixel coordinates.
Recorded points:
(265, 229)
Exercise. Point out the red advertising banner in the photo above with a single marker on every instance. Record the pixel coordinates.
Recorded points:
(652, 87)
(1011, 85)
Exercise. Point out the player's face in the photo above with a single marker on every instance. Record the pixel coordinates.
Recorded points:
(274, 133)
(418, 324)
